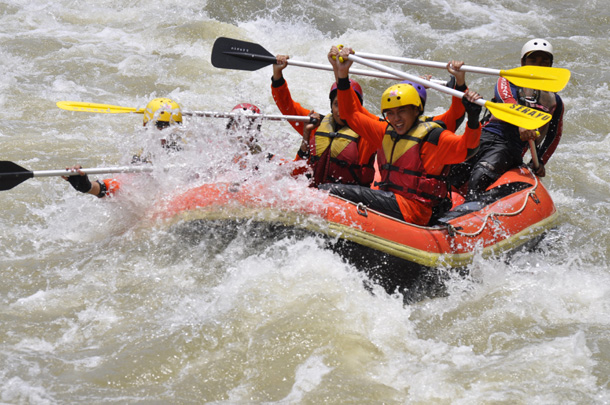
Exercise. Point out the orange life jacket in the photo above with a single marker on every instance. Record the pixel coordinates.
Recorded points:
(334, 156)
(401, 166)
(112, 186)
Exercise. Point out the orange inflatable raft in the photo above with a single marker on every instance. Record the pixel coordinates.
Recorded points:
(515, 212)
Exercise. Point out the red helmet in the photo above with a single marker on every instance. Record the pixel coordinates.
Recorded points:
(354, 85)
(244, 109)
(247, 107)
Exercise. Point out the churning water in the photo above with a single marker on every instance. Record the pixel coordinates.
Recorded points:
(100, 303)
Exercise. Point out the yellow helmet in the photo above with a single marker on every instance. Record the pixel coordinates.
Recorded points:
(400, 95)
(170, 111)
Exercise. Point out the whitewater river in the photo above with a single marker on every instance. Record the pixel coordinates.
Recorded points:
(100, 303)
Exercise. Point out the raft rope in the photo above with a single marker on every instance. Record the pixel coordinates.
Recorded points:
(531, 193)
(363, 210)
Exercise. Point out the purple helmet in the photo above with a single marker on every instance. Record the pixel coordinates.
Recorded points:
(421, 90)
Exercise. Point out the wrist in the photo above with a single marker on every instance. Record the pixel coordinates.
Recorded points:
(473, 122)
(103, 189)
(343, 83)
(277, 82)
(342, 72)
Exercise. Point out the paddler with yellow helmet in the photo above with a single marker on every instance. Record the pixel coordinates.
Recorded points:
(164, 112)
(160, 114)
(412, 153)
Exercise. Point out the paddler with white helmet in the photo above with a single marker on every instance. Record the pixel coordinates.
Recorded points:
(502, 144)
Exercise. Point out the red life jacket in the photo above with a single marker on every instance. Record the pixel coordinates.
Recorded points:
(334, 156)
(401, 167)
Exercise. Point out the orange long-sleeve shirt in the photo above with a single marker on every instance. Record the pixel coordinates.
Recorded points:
(287, 106)
(450, 149)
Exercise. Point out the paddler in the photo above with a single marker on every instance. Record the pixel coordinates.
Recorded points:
(160, 114)
(502, 144)
(413, 153)
(247, 129)
(335, 153)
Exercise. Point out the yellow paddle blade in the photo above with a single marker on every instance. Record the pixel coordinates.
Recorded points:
(97, 108)
(538, 77)
(518, 115)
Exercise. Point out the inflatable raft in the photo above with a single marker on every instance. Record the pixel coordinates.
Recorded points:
(514, 213)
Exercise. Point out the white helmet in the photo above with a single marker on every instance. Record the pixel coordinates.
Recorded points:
(537, 44)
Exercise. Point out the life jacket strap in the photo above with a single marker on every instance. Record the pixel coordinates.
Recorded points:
(334, 135)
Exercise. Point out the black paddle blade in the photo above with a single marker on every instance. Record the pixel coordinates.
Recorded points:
(229, 53)
(11, 175)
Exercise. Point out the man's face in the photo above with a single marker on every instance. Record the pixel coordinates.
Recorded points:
(402, 118)
(538, 58)
(335, 111)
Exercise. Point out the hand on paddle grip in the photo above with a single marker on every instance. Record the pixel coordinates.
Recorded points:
(473, 110)
(281, 63)
(314, 122)
(349, 51)
(454, 67)
(528, 134)
(314, 119)
(81, 182)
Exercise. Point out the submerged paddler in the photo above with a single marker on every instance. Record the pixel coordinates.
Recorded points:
(502, 144)
(163, 115)
(160, 114)
(413, 153)
(247, 130)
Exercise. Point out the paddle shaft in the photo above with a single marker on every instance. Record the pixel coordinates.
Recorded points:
(440, 65)
(11, 174)
(278, 117)
(97, 170)
(273, 60)
(528, 76)
(534, 154)
(354, 71)
(116, 109)
(416, 79)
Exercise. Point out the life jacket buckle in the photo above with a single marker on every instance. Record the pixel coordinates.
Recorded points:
(535, 198)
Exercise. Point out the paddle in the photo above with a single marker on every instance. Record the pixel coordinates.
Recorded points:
(531, 77)
(11, 174)
(534, 154)
(228, 53)
(115, 109)
(515, 114)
